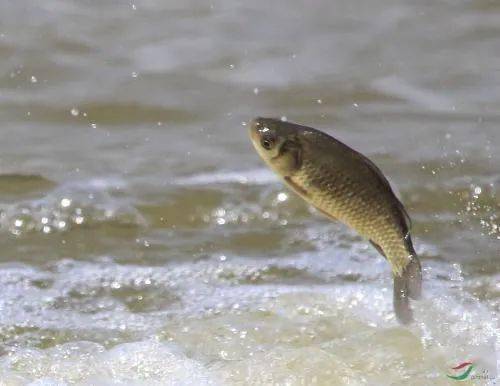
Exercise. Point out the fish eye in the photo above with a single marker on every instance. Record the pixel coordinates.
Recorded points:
(267, 143)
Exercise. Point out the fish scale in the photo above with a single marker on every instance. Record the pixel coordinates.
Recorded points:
(352, 204)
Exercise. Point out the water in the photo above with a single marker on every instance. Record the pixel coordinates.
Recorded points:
(144, 242)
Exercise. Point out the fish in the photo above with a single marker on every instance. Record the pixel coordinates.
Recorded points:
(345, 186)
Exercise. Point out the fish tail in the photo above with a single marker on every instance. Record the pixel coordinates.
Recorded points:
(407, 285)
(413, 273)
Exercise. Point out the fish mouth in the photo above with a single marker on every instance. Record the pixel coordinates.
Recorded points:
(255, 129)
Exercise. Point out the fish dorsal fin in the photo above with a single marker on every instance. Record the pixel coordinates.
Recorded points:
(405, 214)
(387, 186)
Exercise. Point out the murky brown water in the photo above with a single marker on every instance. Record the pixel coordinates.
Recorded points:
(144, 242)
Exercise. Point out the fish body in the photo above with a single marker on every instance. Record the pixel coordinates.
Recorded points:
(345, 185)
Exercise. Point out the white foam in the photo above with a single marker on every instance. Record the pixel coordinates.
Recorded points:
(147, 362)
(253, 177)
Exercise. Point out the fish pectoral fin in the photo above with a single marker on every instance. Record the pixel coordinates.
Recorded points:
(378, 248)
(295, 187)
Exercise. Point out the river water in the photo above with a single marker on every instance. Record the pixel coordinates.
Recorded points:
(145, 243)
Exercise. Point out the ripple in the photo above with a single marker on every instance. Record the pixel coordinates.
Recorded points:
(69, 207)
(18, 185)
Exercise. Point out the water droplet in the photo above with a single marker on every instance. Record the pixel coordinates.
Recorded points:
(115, 285)
(477, 190)
(220, 212)
(282, 196)
(18, 223)
(74, 111)
(46, 229)
(65, 202)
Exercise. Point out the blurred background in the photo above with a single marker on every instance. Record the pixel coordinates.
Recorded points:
(144, 241)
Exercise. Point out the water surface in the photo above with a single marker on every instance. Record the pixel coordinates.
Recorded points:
(144, 242)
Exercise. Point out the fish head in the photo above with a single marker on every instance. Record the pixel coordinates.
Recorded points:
(278, 144)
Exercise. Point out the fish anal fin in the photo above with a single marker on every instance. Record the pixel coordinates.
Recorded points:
(378, 248)
(326, 214)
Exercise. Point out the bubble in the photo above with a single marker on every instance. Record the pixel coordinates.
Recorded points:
(33, 79)
(283, 118)
(256, 91)
(74, 111)
(477, 190)
(319, 101)
(18, 223)
(134, 74)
